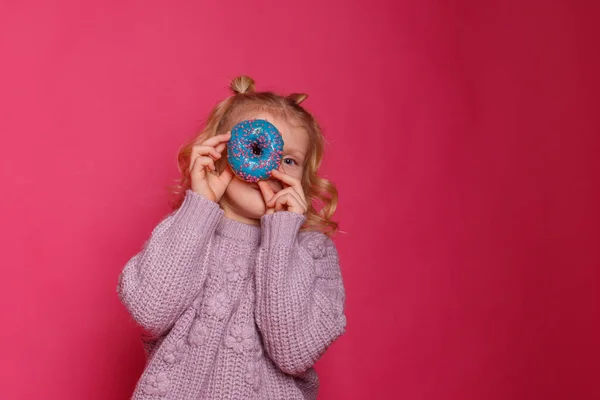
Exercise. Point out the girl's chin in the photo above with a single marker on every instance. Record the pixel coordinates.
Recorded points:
(248, 211)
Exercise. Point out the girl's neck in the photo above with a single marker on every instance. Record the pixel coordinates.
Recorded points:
(238, 231)
(230, 213)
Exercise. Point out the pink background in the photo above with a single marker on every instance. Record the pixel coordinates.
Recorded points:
(463, 137)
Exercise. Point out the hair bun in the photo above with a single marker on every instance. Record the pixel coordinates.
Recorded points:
(298, 97)
(242, 84)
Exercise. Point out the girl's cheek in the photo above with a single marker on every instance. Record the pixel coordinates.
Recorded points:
(293, 170)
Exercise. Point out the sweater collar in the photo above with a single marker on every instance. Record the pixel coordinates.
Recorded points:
(238, 230)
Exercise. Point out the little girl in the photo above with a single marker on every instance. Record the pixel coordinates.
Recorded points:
(239, 290)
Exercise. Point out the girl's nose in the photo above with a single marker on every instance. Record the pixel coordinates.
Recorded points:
(282, 167)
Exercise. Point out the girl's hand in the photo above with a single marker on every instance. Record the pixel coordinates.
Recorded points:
(206, 181)
(290, 198)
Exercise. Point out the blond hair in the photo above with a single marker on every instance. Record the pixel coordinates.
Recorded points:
(245, 99)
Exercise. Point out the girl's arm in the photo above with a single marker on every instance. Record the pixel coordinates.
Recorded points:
(159, 282)
(300, 292)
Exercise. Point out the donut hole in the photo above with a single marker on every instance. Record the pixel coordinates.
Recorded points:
(256, 149)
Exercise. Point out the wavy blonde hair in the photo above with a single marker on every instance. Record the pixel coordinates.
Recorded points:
(246, 99)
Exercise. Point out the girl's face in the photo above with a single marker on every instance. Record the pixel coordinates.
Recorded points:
(243, 201)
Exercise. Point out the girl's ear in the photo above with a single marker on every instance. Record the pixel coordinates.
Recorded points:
(298, 97)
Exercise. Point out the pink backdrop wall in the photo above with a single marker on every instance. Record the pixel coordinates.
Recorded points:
(463, 137)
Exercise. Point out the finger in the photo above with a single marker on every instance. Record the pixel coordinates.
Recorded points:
(288, 199)
(279, 205)
(288, 180)
(194, 165)
(285, 178)
(205, 151)
(266, 190)
(201, 163)
(215, 140)
(299, 197)
(220, 147)
(208, 162)
(292, 193)
(289, 202)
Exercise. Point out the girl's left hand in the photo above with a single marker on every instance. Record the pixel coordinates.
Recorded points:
(290, 198)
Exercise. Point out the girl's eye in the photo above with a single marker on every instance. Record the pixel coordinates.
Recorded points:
(289, 161)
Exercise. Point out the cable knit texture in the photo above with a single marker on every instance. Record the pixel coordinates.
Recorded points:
(230, 310)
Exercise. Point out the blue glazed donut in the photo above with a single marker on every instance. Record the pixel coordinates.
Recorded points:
(254, 150)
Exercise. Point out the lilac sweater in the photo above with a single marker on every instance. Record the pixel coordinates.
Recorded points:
(230, 310)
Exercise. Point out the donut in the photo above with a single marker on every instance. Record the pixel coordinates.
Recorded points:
(254, 149)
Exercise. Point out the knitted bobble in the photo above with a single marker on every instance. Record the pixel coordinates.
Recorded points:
(174, 352)
(316, 247)
(237, 269)
(157, 384)
(217, 305)
(240, 338)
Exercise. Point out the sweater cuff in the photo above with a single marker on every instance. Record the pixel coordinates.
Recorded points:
(197, 211)
(280, 228)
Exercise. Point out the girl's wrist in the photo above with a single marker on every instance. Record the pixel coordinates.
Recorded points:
(281, 228)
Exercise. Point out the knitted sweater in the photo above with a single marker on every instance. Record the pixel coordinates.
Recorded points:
(230, 310)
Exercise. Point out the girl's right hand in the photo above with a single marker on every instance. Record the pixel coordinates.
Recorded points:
(206, 181)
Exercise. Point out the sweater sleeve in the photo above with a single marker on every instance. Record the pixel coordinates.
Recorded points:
(300, 293)
(158, 283)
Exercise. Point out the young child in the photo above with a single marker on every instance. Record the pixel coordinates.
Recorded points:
(239, 290)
